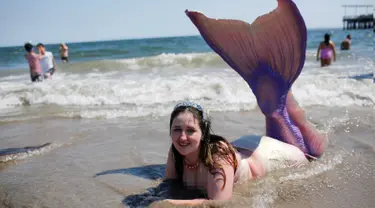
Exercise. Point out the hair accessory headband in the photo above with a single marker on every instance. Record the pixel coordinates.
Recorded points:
(193, 105)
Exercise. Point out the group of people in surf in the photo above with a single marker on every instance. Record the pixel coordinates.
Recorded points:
(42, 65)
(269, 57)
(327, 49)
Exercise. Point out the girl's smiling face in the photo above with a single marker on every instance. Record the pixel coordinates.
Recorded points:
(186, 133)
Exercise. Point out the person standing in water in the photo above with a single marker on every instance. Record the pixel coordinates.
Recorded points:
(326, 50)
(345, 45)
(64, 53)
(34, 64)
(47, 61)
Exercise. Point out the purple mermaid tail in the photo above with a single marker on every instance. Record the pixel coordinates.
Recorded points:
(269, 55)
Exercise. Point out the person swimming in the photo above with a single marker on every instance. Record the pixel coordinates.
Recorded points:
(269, 55)
(64, 53)
(345, 45)
(326, 49)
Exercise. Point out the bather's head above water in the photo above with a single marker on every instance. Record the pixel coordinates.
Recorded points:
(327, 38)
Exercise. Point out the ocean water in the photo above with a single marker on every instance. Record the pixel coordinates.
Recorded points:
(106, 117)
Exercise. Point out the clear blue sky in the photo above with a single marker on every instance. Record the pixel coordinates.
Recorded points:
(52, 21)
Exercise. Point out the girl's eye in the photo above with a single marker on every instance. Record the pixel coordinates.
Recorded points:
(177, 130)
(190, 131)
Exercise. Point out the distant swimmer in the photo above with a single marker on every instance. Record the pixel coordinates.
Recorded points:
(326, 50)
(345, 45)
(34, 64)
(47, 61)
(64, 53)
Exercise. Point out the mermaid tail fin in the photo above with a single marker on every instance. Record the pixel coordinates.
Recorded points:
(276, 39)
(270, 51)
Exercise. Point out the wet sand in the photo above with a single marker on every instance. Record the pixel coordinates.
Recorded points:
(117, 162)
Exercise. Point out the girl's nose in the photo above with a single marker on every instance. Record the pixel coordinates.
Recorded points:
(183, 135)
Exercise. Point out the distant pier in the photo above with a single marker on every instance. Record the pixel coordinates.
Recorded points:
(363, 20)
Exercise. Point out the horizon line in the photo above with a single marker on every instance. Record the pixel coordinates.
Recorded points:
(134, 38)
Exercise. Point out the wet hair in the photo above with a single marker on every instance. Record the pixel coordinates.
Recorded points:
(349, 36)
(28, 47)
(40, 44)
(213, 148)
(327, 38)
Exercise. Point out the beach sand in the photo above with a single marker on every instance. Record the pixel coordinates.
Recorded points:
(116, 163)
